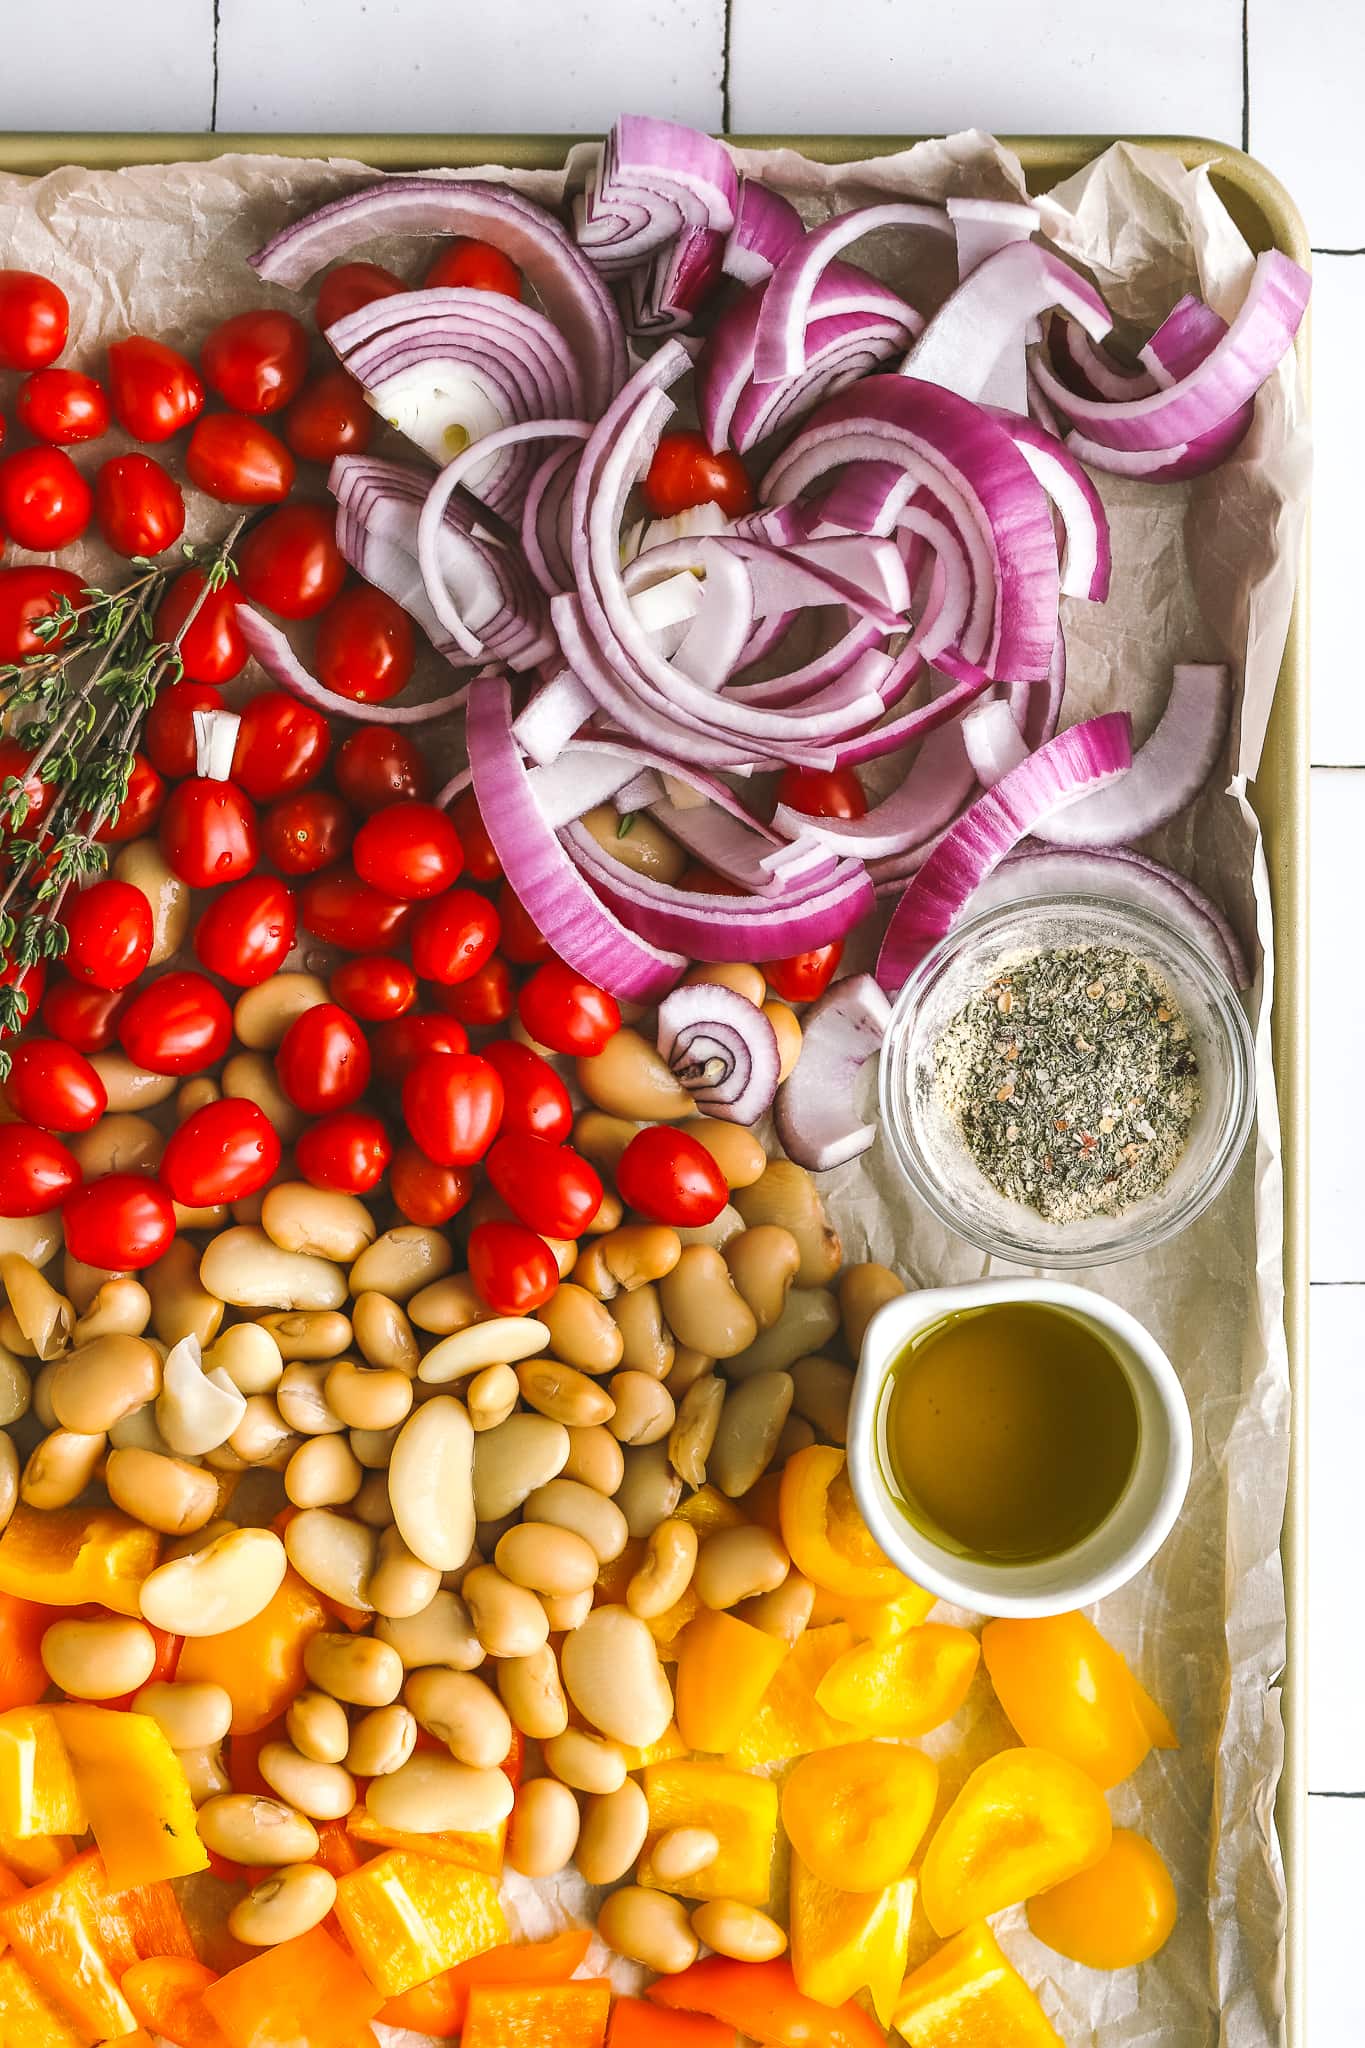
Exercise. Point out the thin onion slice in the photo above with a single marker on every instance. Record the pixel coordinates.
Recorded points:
(722, 1050)
(982, 226)
(814, 1113)
(266, 644)
(766, 228)
(977, 342)
(780, 346)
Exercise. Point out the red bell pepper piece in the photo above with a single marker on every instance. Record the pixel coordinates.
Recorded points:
(761, 1999)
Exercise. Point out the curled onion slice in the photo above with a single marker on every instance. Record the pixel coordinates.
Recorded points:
(722, 1050)
(766, 227)
(785, 311)
(266, 644)
(977, 341)
(814, 1113)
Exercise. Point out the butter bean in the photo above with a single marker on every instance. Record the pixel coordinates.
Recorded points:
(543, 1832)
(130, 1087)
(785, 1193)
(809, 1319)
(242, 1265)
(60, 1468)
(431, 1793)
(97, 1660)
(251, 1077)
(368, 1396)
(681, 1852)
(462, 1711)
(432, 1482)
(323, 1472)
(247, 1829)
(46, 1318)
(442, 1633)
(702, 1307)
(446, 1305)
(746, 1436)
(547, 1558)
(530, 1690)
(283, 1906)
(308, 1335)
(249, 1355)
(665, 1575)
(262, 1015)
(650, 1928)
(301, 1397)
(595, 1458)
(318, 1728)
(499, 1340)
(217, 1588)
(613, 1833)
(364, 1671)
(569, 1504)
(322, 1791)
(512, 1460)
(736, 1151)
(181, 1305)
(322, 1221)
(628, 1078)
(401, 1585)
(587, 1762)
(646, 1341)
(120, 1307)
(649, 1489)
(612, 1673)
(382, 1741)
(190, 1716)
(863, 1289)
(508, 1619)
(581, 1331)
(763, 1264)
(738, 1564)
(733, 1928)
(119, 1143)
(402, 1262)
(644, 1408)
(168, 1494)
(333, 1553)
(492, 1395)
(562, 1393)
(108, 1378)
(384, 1333)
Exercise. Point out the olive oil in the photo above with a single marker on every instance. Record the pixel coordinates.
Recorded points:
(1008, 1432)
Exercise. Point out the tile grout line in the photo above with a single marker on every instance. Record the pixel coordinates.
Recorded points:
(1246, 76)
(1338, 252)
(1335, 1795)
(725, 69)
(213, 103)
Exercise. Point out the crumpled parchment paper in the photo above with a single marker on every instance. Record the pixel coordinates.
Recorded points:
(1203, 571)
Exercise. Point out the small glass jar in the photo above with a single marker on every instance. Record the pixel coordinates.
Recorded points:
(931, 1151)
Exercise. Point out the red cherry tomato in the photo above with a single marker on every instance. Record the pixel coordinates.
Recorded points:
(83, 1015)
(323, 1060)
(291, 563)
(454, 936)
(374, 986)
(304, 834)
(535, 1101)
(63, 406)
(365, 647)
(141, 806)
(410, 849)
(222, 1153)
(684, 473)
(671, 1178)
(485, 998)
(34, 317)
(36, 1171)
(804, 976)
(425, 1192)
(560, 1009)
(399, 1042)
(378, 766)
(239, 461)
(212, 648)
(351, 286)
(348, 1150)
(452, 1105)
(513, 1270)
(30, 594)
(481, 863)
(168, 734)
(178, 1024)
(138, 506)
(53, 1085)
(40, 795)
(546, 1186)
(247, 931)
(341, 910)
(209, 832)
(155, 390)
(256, 361)
(123, 1222)
(476, 265)
(281, 745)
(823, 792)
(108, 933)
(45, 502)
(523, 942)
(329, 418)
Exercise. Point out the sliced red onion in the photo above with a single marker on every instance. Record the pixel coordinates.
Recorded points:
(814, 1115)
(1087, 562)
(215, 743)
(1166, 465)
(780, 345)
(578, 781)
(977, 342)
(574, 297)
(552, 717)
(1037, 707)
(1190, 332)
(1087, 368)
(545, 520)
(984, 225)
(722, 1050)
(654, 180)
(1076, 762)
(663, 299)
(266, 644)
(857, 570)
(766, 228)
(554, 894)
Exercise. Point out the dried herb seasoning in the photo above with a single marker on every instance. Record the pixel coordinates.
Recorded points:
(1072, 1081)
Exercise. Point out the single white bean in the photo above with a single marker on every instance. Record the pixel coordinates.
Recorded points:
(283, 1906)
(543, 1832)
(431, 1482)
(217, 1588)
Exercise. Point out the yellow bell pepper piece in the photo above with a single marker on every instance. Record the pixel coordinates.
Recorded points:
(1116, 1914)
(408, 1917)
(741, 1812)
(916, 1683)
(725, 1667)
(825, 1533)
(968, 1995)
(669, 1745)
(133, 1785)
(35, 1857)
(260, 1664)
(856, 1815)
(667, 1628)
(481, 1851)
(790, 1721)
(38, 1790)
(874, 1621)
(28, 2018)
(1064, 1688)
(66, 1557)
(1023, 1821)
(707, 1510)
(845, 1942)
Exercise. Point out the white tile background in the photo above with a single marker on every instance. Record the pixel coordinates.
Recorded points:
(1282, 77)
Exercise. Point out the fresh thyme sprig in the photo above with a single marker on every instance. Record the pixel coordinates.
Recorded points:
(87, 691)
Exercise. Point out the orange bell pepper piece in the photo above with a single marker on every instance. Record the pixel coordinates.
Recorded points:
(76, 1935)
(968, 1993)
(38, 1790)
(635, 2023)
(260, 1664)
(307, 1993)
(790, 1720)
(708, 1509)
(739, 1809)
(135, 1793)
(482, 1852)
(66, 1557)
(23, 1681)
(35, 1857)
(409, 1916)
(856, 1815)
(724, 1668)
(445, 1999)
(825, 1533)
(29, 2018)
(762, 2000)
(337, 1851)
(1064, 1688)
(544, 2016)
(167, 1995)
(1023, 1821)
(917, 1683)
(1115, 1914)
(846, 1942)
(436, 2008)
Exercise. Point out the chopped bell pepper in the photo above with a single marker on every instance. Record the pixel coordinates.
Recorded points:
(856, 1815)
(1116, 1914)
(337, 1852)
(741, 1812)
(260, 1664)
(1064, 1688)
(916, 1683)
(790, 1720)
(635, 2023)
(667, 1628)
(34, 1857)
(539, 2016)
(873, 1621)
(167, 1995)
(76, 1935)
(825, 1533)
(23, 1681)
(669, 1745)
(970, 1995)
(12, 1886)
(1023, 1821)
(707, 1510)
(762, 2000)
(64, 1557)
(135, 1793)
(28, 2017)
(617, 1573)
(438, 2007)
(39, 1794)
(725, 1666)
(481, 1851)
(409, 1916)
(846, 1942)
(763, 1503)
(307, 1993)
